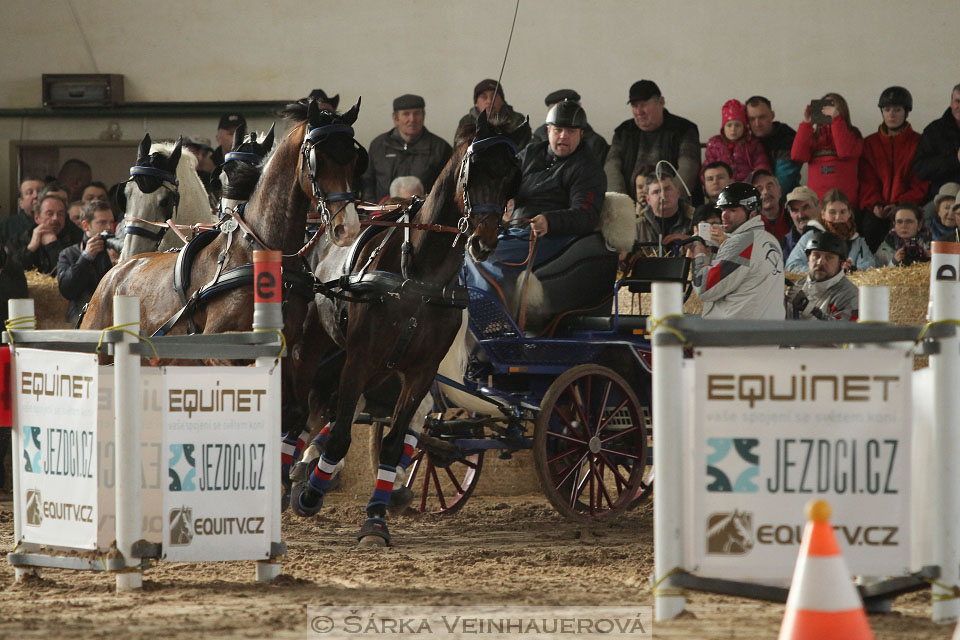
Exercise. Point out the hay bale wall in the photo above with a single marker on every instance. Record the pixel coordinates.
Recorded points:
(49, 306)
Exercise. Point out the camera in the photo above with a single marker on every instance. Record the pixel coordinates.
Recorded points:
(816, 111)
(111, 241)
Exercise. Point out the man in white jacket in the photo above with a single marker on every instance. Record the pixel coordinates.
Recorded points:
(745, 277)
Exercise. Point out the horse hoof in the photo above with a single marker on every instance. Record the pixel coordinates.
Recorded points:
(300, 472)
(296, 501)
(372, 541)
(374, 528)
(400, 498)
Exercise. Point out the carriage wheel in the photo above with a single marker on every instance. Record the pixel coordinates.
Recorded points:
(438, 487)
(590, 444)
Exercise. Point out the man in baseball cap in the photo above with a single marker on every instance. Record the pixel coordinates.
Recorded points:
(229, 122)
(804, 210)
(591, 139)
(651, 135)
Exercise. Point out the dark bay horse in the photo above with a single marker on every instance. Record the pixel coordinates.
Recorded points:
(408, 308)
(313, 168)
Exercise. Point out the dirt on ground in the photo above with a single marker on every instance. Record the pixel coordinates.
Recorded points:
(497, 551)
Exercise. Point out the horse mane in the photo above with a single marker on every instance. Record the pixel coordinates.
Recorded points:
(193, 195)
(244, 180)
(295, 112)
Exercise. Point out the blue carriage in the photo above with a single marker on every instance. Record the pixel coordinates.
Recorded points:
(580, 399)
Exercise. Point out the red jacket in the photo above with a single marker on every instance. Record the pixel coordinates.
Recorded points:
(833, 153)
(886, 176)
(744, 156)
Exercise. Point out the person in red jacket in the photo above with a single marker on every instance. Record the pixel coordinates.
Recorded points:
(832, 150)
(886, 174)
(735, 145)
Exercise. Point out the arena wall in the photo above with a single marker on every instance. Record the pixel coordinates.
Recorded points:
(700, 53)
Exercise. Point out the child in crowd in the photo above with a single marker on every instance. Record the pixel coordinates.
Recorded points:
(908, 241)
(735, 145)
(832, 150)
(837, 217)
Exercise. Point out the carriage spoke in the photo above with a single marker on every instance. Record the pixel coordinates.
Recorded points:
(620, 453)
(610, 416)
(619, 434)
(554, 434)
(579, 407)
(436, 483)
(591, 472)
(453, 479)
(563, 454)
(616, 474)
(566, 422)
(601, 486)
(601, 423)
(565, 474)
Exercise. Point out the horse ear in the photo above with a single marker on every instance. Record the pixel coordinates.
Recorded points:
(175, 154)
(238, 135)
(313, 113)
(143, 152)
(351, 116)
(483, 127)
(267, 142)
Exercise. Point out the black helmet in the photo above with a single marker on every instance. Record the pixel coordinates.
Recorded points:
(827, 241)
(739, 194)
(896, 97)
(567, 114)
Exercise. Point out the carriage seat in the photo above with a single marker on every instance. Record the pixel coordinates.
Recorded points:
(580, 277)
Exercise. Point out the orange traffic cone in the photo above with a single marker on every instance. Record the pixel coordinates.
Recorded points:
(823, 603)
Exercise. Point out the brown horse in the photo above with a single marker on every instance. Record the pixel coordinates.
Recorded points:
(314, 167)
(408, 308)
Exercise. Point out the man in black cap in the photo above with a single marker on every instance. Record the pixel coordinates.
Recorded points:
(653, 134)
(591, 139)
(488, 96)
(406, 150)
(227, 125)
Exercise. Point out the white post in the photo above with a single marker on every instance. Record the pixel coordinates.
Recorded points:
(945, 368)
(874, 303)
(268, 316)
(18, 308)
(874, 306)
(669, 509)
(127, 428)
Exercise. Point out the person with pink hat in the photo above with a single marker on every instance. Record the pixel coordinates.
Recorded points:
(735, 145)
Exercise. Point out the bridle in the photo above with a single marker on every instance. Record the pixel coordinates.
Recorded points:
(308, 153)
(481, 209)
(168, 181)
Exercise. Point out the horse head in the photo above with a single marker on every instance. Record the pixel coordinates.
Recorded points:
(232, 179)
(333, 163)
(152, 193)
(489, 177)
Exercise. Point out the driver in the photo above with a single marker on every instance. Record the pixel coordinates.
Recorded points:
(745, 278)
(560, 197)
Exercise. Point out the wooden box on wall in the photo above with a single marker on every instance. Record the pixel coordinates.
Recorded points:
(82, 90)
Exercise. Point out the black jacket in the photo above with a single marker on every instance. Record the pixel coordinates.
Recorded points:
(392, 157)
(78, 277)
(936, 158)
(677, 140)
(591, 138)
(568, 191)
(43, 259)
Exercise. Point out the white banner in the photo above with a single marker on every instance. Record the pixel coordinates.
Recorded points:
(56, 411)
(773, 429)
(154, 472)
(221, 450)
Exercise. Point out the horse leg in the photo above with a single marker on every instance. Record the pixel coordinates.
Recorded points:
(395, 452)
(306, 498)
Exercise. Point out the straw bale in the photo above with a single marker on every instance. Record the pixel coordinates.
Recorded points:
(49, 306)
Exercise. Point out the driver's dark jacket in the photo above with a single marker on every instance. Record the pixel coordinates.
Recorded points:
(568, 191)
